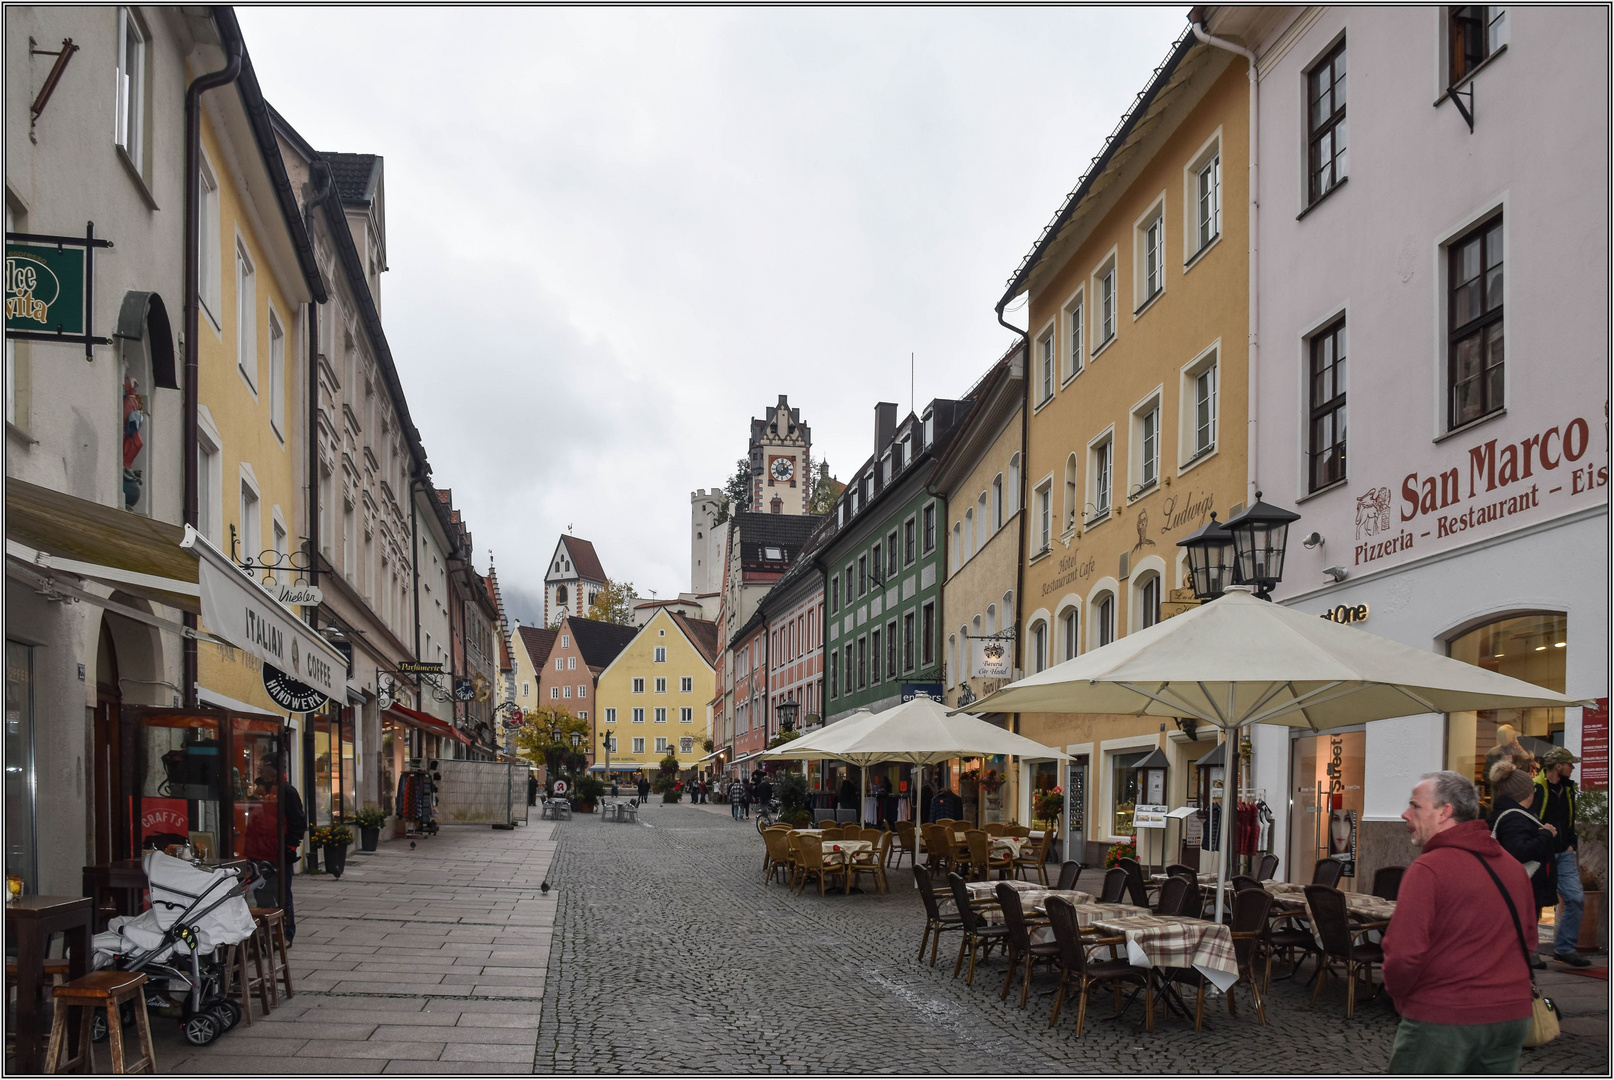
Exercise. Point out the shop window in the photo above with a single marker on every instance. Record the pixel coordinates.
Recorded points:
(21, 857)
(1124, 791)
(1529, 647)
(1328, 771)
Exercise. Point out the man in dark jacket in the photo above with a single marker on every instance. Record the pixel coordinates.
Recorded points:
(1453, 960)
(296, 824)
(1521, 834)
(1555, 801)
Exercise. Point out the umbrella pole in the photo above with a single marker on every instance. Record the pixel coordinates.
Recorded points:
(1229, 782)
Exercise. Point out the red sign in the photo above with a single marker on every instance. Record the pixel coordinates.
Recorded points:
(167, 817)
(1594, 746)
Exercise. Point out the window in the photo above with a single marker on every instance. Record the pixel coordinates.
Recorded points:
(862, 575)
(1149, 255)
(969, 546)
(638, 685)
(850, 668)
(1073, 354)
(907, 542)
(554, 693)
(209, 486)
(877, 564)
(891, 649)
(566, 692)
(1104, 619)
(835, 593)
(927, 633)
(1475, 32)
(997, 502)
(565, 641)
(686, 685)
(560, 663)
(661, 745)
(583, 715)
(1124, 791)
(1039, 645)
(952, 675)
(1102, 457)
(1475, 351)
(891, 566)
(1045, 535)
(526, 688)
(571, 663)
(1325, 123)
(661, 715)
(1198, 432)
(251, 534)
(907, 641)
(277, 375)
(930, 527)
(582, 690)
(686, 715)
(1146, 446)
(1106, 304)
(956, 556)
(661, 654)
(661, 686)
(835, 674)
(862, 662)
(1072, 504)
(1208, 201)
(610, 716)
(130, 133)
(638, 716)
(246, 316)
(1326, 447)
(209, 242)
(1149, 601)
(686, 744)
(1045, 368)
(874, 650)
(1067, 633)
(1012, 490)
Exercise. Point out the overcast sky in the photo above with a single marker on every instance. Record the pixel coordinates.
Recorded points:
(616, 235)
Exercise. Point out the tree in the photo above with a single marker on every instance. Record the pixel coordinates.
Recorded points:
(614, 603)
(535, 741)
(737, 492)
(824, 490)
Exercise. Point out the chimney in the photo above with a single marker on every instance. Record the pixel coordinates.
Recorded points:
(885, 424)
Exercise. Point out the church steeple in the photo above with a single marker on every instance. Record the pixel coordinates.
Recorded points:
(781, 458)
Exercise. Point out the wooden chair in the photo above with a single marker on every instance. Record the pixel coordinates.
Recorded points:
(1327, 872)
(1387, 882)
(106, 989)
(1250, 910)
(1021, 947)
(1114, 890)
(776, 846)
(1269, 867)
(935, 922)
(1036, 858)
(938, 848)
(272, 925)
(1070, 872)
(1340, 944)
(907, 843)
(872, 862)
(979, 935)
(1076, 969)
(811, 864)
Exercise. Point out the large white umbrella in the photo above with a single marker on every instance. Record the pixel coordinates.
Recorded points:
(1240, 661)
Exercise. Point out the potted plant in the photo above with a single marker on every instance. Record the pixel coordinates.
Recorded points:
(1126, 849)
(666, 781)
(1591, 827)
(586, 792)
(1048, 804)
(333, 840)
(370, 819)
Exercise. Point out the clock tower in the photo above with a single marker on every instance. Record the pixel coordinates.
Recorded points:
(781, 457)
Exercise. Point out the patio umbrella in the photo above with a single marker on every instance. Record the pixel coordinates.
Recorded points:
(1239, 661)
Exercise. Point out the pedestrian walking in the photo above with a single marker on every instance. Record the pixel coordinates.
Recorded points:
(532, 790)
(750, 795)
(1452, 952)
(644, 790)
(764, 790)
(736, 797)
(1523, 835)
(1556, 802)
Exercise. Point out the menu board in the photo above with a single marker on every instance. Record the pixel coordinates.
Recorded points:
(1594, 746)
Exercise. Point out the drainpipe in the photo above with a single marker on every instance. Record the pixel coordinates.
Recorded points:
(416, 487)
(1253, 363)
(1020, 495)
(321, 193)
(193, 273)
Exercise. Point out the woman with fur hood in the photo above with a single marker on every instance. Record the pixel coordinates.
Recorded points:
(1520, 832)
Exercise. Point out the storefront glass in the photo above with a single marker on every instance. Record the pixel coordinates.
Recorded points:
(349, 804)
(1124, 791)
(1328, 771)
(319, 798)
(179, 791)
(1528, 647)
(256, 749)
(20, 842)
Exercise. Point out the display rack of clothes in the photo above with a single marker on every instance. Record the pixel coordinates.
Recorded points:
(417, 800)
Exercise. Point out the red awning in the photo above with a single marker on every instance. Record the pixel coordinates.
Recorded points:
(429, 724)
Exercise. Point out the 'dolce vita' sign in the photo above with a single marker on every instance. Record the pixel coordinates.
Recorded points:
(44, 288)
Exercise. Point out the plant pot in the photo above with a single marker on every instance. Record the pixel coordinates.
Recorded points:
(369, 836)
(335, 859)
(584, 806)
(1592, 922)
(311, 860)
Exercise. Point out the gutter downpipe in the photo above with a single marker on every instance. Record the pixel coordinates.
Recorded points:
(1020, 494)
(193, 273)
(415, 488)
(1230, 767)
(321, 193)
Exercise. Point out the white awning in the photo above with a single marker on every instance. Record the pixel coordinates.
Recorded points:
(238, 609)
(213, 697)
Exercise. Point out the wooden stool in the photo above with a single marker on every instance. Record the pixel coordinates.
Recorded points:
(240, 983)
(55, 971)
(271, 923)
(100, 990)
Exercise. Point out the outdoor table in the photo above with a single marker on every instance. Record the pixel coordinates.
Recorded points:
(1208, 878)
(1360, 907)
(32, 920)
(1034, 899)
(1156, 941)
(840, 851)
(1089, 913)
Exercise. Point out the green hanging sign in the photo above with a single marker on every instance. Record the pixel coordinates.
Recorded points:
(50, 287)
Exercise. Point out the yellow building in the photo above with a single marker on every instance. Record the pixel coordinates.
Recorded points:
(1136, 402)
(656, 695)
(257, 275)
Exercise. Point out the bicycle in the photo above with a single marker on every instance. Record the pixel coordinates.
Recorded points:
(768, 814)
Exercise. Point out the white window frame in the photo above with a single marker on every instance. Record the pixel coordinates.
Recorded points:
(661, 714)
(660, 654)
(246, 314)
(130, 122)
(1069, 621)
(277, 373)
(686, 684)
(210, 243)
(1047, 360)
(638, 714)
(1100, 477)
(638, 686)
(1140, 601)
(1044, 501)
(1143, 250)
(1189, 453)
(638, 745)
(249, 523)
(1074, 314)
(1143, 455)
(1069, 511)
(661, 684)
(686, 715)
(1105, 290)
(686, 744)
(1098, 624)
(1037, 645)
(210, 477)
(997, 502)
(1195, 207)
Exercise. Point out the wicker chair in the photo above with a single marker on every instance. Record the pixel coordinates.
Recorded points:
(938, 848)
(1242, 882)
(979, 935)
(837, 833)
(996, 828)
(1114, 890)
(1075, 968)
(1178, 869)
(1269, 867)
(1173, 896)
(1327, 872)
(1037, 858)
(776, 845)
(828, 823)
(907, 843)
(936, 923)
(982, 859)
(1387, 882)
(810, 863)
(1134, 882)
(1021, 947)
(1250, 910)
(1340, 944)
(1069, 873)
(872, 862)
(1017, 830)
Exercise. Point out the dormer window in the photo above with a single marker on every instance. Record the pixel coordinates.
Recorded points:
(928, 436)
(773, 554)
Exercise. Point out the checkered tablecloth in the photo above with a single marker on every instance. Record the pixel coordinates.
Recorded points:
(1176, 942)
(1033, 899)
(1088, 914)
(1358, 906)
(1204, 879)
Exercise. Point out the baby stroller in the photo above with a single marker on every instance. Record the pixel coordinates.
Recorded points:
(195, 912)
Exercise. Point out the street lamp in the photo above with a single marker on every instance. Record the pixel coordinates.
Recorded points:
(1210, 559)
(1260, 535)
(787, 714)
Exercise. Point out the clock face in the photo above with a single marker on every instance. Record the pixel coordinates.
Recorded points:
(782, 469)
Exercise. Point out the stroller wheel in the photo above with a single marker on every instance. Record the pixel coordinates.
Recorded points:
(98, 1026)
(200, 1028)
(231, 1013)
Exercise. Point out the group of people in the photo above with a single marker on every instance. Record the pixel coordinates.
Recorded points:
(1459, 953)
(744, 792)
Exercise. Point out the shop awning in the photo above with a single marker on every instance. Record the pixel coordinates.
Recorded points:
(427, 723)
(713, 754)
(222, 701)
(618, 766)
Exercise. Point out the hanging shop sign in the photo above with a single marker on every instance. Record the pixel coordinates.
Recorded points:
(464, 690)
(383, 689)
(420, 667)
(993, 659)
(306, 595)
(290, 694)
(50, 287)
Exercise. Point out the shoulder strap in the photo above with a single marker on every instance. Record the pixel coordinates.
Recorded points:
(1498, 822)
(1513, 910)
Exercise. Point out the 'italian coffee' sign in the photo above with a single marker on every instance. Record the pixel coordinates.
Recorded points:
(288, 693)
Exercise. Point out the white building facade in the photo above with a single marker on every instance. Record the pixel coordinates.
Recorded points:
(1432, 384)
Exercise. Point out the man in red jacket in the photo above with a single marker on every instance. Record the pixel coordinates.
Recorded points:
(1453, 961)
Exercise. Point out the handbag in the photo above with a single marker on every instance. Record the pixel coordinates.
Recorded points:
(1543, 1013)
(1533, 865)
